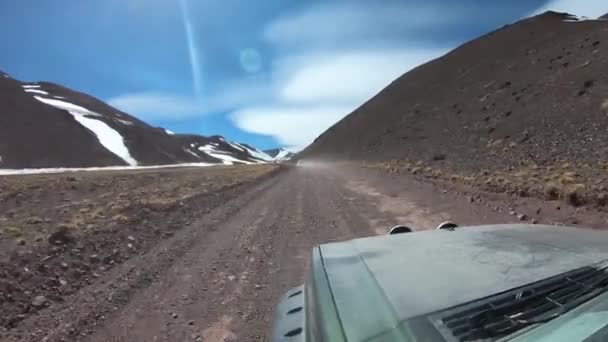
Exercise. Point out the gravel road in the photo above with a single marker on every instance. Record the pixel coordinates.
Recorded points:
(225, 285)
(219, 278)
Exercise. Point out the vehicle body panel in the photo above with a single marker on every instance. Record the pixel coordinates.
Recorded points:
(383, 287)
(290, 316)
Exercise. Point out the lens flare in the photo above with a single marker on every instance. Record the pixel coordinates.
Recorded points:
(251, 60)
(192, 50)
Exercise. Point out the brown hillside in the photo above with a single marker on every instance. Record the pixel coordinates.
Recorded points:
(35, 134)
(522, 109)
(533, 91)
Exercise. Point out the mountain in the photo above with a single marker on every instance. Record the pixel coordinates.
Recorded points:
(279, 154)
(47, 125)
(531, 93)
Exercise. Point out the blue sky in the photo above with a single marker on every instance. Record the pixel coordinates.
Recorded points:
(266, 72)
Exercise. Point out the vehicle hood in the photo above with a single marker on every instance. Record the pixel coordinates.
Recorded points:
(379, 282)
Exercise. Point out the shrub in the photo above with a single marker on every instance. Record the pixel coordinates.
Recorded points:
(551, 191)
(438, 157)
(575, 195)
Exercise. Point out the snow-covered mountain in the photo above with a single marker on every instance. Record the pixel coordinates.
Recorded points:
(47, 125)
(279, 154)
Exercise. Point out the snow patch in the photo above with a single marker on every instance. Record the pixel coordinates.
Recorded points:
(29, 86)
(10, 172)
(282, 155)
(170, 132)
(125, 122)
(575, 19)
(254, 152)
(70, 107)
(192, 153)
(28, 90)
(107, 136)
(238, 147)
(221, 155)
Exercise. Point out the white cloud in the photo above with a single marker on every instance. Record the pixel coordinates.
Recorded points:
(328, 62)
(585, 8)
(151, 106)
(167, 106)
(383, 23)
(349, 77)
(314, 92)
(329, 24)
(292, 126)
(249, 91)
(332, 57)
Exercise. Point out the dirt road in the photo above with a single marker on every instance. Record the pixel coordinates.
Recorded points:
(225, 286)
(219, 278)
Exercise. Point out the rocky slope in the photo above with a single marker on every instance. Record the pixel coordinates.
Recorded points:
(523, 108)
(47, 125)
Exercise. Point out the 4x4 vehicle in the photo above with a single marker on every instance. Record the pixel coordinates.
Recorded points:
(482, 283)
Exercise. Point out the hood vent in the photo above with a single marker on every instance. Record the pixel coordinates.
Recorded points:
(506, 313)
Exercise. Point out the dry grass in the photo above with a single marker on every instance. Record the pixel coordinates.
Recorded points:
(160, 204)
(549, 182)
(12, 231)
(120, 218)
(32, 206)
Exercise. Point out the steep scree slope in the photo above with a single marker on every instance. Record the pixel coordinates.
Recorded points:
(535, 92)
